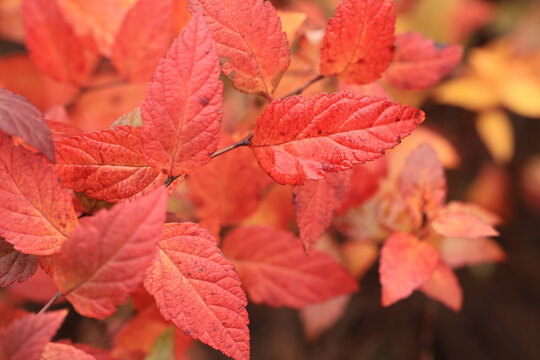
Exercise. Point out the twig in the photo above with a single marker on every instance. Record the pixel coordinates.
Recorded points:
(48, 305)
(303, 87)
(244, 142)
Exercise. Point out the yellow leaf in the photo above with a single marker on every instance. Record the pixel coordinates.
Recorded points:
(497, 134)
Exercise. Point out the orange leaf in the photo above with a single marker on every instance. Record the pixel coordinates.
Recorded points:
(53, 45)
(106, 165)
(142, 39)
(197, 289)
(444, 286)
(423, 183)
(420, 62)
(406, 263)
(181, 112)
(231, 186)
(315, 204)
(275, 271)
(14, 265)
(359, 256)
(25, 338)
(20, 118)
(251, 46)
(36, 212)
(452, 223)
(301, 138)
(54, 351)
(458, 252)
(359, 40)
(106, 256)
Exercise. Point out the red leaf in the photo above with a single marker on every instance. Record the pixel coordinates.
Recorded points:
(20, 118)
(359, 40)
(420, 62)
(275, 271)
(142, 39)
(252, 48)
(36, 212)
(181, 112)
(229, 188)
(452, 223)
(53, 46)
(315, 204)
(364, 183)
(14, 265)
(25, 338)
(54, 351)
(422, 182)
(106, 256)
(107, 165)
(458, 252)
(197, 289)
(301, 138)
(318, 318)
(61, 130)
(444, 286)
(406, 263)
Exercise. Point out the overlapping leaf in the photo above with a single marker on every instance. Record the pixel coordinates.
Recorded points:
(251, 46)
(197, 289)
(420, 63)
(359, 40)
(422, 182)
(36, 212)
(142, 39)
(54, 47)
(56, 351)
(315, 204)
(444, 286)
(231, 186)
(15, 266)
(458, 252)
(182, 109)
(406, 264)
(301, 138)
(106, 256)
(106, 164)
(452, 223)
(275, 271)
(25, 338)
(20, 118)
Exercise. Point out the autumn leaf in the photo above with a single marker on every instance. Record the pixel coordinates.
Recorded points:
(359, 40)
(422, 182)
(26, 338)
(230, 188)
(252, 48)
(444, 286)
(106, 165)
(315, 204)
(406, 263)
(142, 39)
(419, 62)
(456, 223)
(15, 266)
(182, 109)
(301, 138)
(20, 118)
(458, 252)
(36, 212)
(275, 270)
(106, 256)
(197, 289)
(55, 351)
(54, 48)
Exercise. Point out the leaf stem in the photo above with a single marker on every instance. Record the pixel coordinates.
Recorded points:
(48, 305)
(169, 180)
(303, 87)
(244, 142)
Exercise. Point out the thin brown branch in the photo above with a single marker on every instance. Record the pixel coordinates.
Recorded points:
(244, 142)
(48, 305)
(303, 87)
